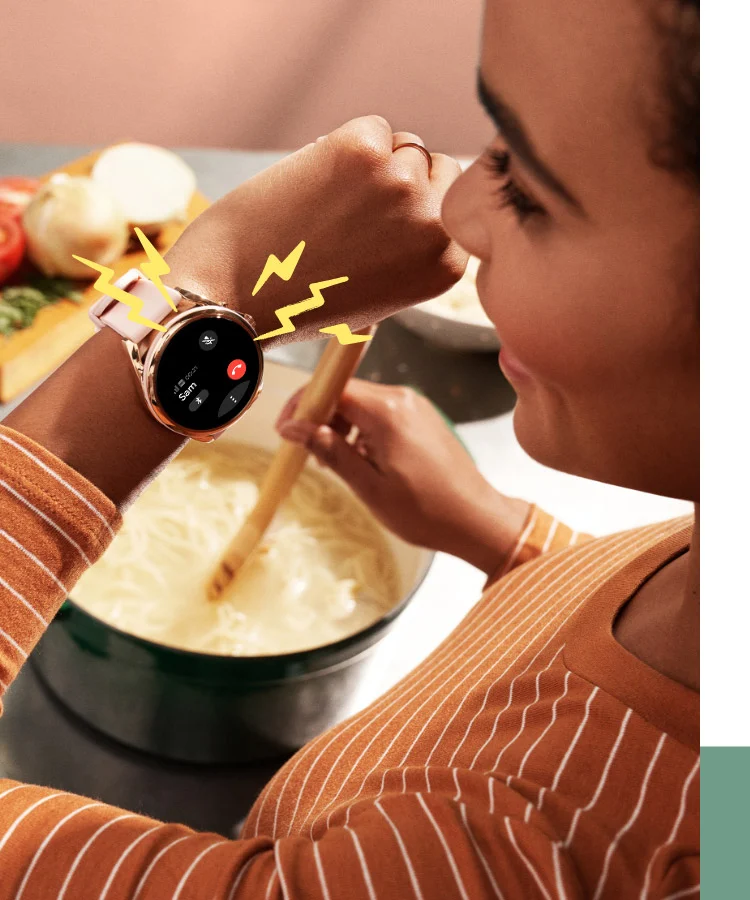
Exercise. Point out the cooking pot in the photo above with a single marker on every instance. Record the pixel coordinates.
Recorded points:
(205, 708)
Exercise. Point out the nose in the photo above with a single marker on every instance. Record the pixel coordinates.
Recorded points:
(462, 212)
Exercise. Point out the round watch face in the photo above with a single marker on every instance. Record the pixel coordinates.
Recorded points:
(208, 372)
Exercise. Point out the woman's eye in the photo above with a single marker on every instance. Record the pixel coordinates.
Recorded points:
(511, 193)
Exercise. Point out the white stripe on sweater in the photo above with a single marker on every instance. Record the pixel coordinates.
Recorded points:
(561, 893)
(526, 861)
(271, 882)
(61, 480)
(446, 847)
(522, 725)
(26, 812)
(321, 873)
(579, 732)
(23, 600)
(675, 827)
(478, 851)
(45, 842)
(404, 853)
(241, 874)
(84, 849)
(602, 780)
(550, 535)
(192, 866)
(13, 644)
(47, 519)
(627, 826)
(34, 559)
(519, 545)
(363, 863)
(553, 719)
(155, 860)
(123, 857)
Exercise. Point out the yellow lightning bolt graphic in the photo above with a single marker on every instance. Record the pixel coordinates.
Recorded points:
(275, 266)
(104, 284)
(344, 334)
(155, 267)
(286, 313)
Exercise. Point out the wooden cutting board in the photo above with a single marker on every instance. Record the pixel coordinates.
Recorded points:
(59, 329)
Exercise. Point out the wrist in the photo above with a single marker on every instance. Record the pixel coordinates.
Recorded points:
(491, 532)
(222, 273)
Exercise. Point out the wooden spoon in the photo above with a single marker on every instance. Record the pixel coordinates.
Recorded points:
(317, 404)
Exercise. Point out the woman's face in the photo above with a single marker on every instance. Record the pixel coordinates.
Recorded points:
(588, 250)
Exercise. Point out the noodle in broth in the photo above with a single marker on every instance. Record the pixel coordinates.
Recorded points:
(324, 570)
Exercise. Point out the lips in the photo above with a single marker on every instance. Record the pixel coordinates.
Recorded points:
(513, 370)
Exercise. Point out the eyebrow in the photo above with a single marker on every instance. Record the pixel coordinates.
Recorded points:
(509, 125)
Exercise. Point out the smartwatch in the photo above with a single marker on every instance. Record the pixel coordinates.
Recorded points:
(199, 374)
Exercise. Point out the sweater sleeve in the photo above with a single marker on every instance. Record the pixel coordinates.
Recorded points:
(541, 533)
(425, 846)
(54, 524)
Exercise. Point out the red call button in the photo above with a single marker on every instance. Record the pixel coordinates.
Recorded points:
(236, 369)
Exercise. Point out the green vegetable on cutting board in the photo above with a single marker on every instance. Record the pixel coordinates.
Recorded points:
(20, 304)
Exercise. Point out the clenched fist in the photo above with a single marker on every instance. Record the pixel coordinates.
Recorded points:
(363, 210)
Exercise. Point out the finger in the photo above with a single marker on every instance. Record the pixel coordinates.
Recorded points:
(289, 408)
(332, 451)
(370, 407)
(341, 425)
(338, 422)
(413, 159)
(445, 170)
(372, 130)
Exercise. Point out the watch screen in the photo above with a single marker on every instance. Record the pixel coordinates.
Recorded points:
(207, 374)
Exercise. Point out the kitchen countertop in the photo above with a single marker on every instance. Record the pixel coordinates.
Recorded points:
(42, 743)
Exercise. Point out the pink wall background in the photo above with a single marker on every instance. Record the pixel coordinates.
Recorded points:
(254, 74)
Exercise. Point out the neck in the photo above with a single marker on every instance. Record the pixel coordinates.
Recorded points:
(661, 623)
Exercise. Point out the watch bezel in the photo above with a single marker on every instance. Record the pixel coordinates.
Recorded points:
(147, 368)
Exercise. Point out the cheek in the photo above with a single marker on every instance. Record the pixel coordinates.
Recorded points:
(575, 317)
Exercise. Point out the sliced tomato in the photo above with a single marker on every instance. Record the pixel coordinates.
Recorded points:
(15, 193)
(12, 244)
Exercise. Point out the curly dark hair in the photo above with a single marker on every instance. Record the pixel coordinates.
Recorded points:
(677, 136)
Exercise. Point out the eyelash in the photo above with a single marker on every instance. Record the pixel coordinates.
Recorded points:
(511, 194)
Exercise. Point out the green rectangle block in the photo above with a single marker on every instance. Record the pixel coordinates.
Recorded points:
(725, 822)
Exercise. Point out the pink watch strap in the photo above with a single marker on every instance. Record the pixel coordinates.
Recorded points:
(114, 314)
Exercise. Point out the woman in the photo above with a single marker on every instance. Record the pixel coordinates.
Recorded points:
(549, 748)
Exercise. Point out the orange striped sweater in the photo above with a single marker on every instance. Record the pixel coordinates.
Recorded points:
(530, 756)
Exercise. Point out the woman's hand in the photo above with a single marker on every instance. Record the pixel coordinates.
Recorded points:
(393, 449)
(363, 210)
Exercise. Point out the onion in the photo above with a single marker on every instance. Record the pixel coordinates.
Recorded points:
(74, 215)
(152, 185)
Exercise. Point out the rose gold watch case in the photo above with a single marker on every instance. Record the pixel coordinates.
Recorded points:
(145, 368)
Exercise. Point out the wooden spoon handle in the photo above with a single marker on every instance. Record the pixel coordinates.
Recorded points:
(317, 404)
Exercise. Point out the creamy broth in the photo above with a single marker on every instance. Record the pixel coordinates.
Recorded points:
(323, 571)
